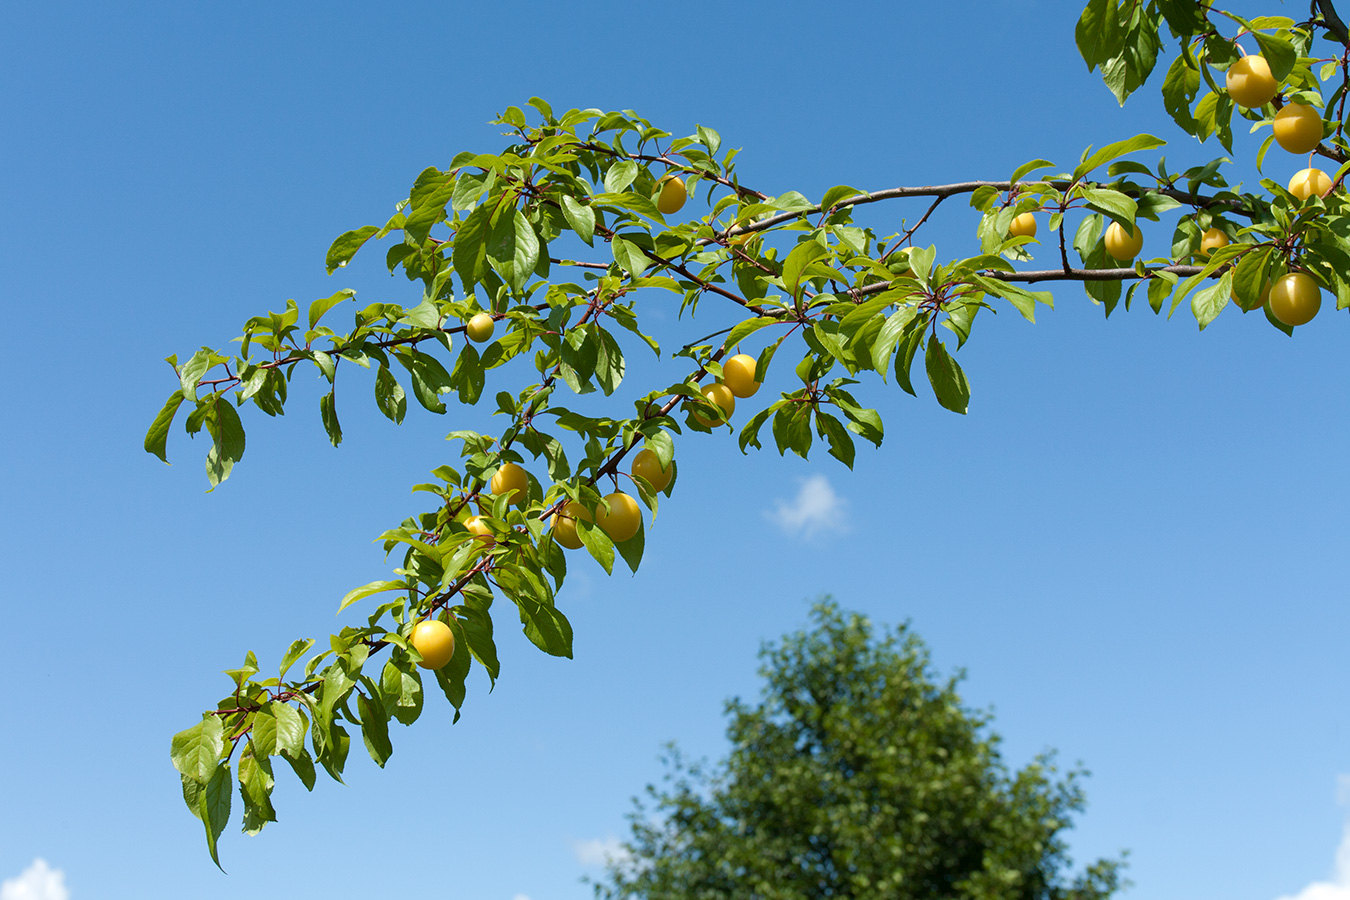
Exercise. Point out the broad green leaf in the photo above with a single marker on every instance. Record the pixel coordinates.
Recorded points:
(374, 729)
(1279, 53)
(196, 750)
(745, 328)
(389, 395)
(319, 307)
(546, 627)
(580, 218)
(345, 247)
(949, 382)
(470, 248)
(296, 650)
(598, 544)
(255, 787)
(157, 436)
(513, 249)
(1112, 203)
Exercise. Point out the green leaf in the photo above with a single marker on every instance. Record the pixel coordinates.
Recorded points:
(389, 395)
(375, 587)
(580, 218)
(1112, 203)
(158, 435)
(743, 329)
(949, 382)
(546, 627)
(255, 787)
(1115, 151)
(345, 247)
(841, 445)
(513, 249)
(631, 549)
(214, 807)
(629, 256)
(296, 650)
(430, 194)
(1208, 303)
(302, 764)
(374, 729)
(319, 307)
(328, 412)
(1279, 53)
(196, 750)
(620, 176)
(598, 544)
(402, 684)
(1178, 91)
(470, 248)
(801, 256)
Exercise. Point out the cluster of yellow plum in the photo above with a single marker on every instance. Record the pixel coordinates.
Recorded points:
(1293, 298)
(619, 516)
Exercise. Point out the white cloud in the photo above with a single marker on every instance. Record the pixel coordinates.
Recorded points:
(38, 882)
(1338, 888)
(815, 509)
(521, 897)
(598, 851)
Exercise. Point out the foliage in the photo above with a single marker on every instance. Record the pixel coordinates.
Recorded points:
(857, 775)
(504, 233)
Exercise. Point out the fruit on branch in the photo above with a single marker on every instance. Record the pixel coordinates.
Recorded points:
(738, 374)
(1295, 298)
(670, 199)
(1213, 240)
(1023, 225)
(1261, 301)
(435, 641)
(623, 518)
(565, 524)
(1298, 128)
(1310, 182)
(646, 464)
(725, 400)
(480, 328)
(481, 532)
(511, 479)
(1123, 246)
(1250, 83)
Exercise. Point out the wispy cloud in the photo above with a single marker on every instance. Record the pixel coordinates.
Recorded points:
(37, 882)
(815, 510)
(1338, 888)
(521, 897)
(598, 851)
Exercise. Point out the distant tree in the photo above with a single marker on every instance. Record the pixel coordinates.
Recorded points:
(858, 775)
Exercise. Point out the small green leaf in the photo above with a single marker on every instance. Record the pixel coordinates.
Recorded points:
(196, 750)
(580, 218)
(328, 412)
(375, 587)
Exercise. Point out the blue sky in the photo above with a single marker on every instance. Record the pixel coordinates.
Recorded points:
(1133, 543)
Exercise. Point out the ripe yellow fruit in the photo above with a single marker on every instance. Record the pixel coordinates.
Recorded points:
(1265, 295)
(646, 464)
(480, 328)
(1122, 246)
(481, 532)
(511, 477)
(1295, 298)
(1250, 83)
(738, 374)
(672, 196)
(435, 641)
(722, 396)
(565, 524)
(1298, 128)
(1023, 225)
(623, 519)
(1212, 240)
(1309, 182)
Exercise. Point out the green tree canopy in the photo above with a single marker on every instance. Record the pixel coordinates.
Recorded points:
(859, 774)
